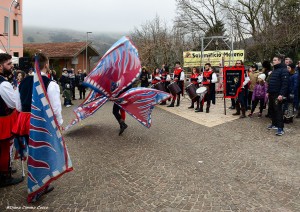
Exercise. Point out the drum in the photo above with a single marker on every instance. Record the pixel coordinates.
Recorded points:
(191, 90)
(174, 88)
(159, 86)
(201, 92)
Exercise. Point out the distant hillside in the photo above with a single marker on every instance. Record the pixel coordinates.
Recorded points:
(100, 41)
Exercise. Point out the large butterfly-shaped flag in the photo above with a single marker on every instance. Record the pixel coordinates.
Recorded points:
(118, 69)
(48, 157)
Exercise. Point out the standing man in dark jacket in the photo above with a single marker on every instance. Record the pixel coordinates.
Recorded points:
(277, 91)
(79, 80)
(72, 82)
(66, 87)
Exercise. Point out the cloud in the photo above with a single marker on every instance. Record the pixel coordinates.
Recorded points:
(96, 15)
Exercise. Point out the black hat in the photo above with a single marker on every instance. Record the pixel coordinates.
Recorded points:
(254, 66)
(267, 65)
(293, 66)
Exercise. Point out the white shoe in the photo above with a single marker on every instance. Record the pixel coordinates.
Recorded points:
(68, 105)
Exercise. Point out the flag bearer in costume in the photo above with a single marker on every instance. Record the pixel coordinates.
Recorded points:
(194, 79)
(24, 101)
(208, 79)
(119, 113)
(240, 104)
(8, 116)
(111, 80)
(178, 77)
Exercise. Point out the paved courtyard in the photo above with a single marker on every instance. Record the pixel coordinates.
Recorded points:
(185, 162)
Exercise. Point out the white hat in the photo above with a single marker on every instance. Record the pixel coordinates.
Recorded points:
(65, 69)
(262, 76)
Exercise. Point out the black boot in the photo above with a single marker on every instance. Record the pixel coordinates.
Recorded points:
(298, 115)
(201, 108)
(172, 104)
(207, 107)
(192, 105)
(8, 180)
(238, 110)
(123, 126)
(163, 103)
(178, 102)
(243, 112)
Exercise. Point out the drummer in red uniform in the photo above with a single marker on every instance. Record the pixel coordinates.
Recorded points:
(208, 79)
(178, 77)
(194, 79)
(165, 79)
(8, 116)
(155, 77)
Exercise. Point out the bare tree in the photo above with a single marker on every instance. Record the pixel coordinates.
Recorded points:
(261, 27)
(158, 44)
(198, 18)
(264, 27)
(198, 15)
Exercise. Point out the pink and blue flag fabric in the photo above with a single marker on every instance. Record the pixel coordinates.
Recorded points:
(48, 157)
(117, 70)
(139, 103)
(91, 104)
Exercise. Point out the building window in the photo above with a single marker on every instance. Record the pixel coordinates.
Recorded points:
(16, 27)
(6, 24)
(16, 54)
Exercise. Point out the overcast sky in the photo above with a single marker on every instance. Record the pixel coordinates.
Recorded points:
(96, 15)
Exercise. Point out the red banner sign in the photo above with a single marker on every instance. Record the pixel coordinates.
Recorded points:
(233, 78)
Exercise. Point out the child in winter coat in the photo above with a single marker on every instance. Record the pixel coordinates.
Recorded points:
(259, 95)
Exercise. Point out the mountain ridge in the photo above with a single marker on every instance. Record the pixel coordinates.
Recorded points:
(101, 41)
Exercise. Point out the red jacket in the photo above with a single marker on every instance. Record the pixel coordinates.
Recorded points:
(154, 80)
(194, 78)
(177, 74)
(207, 75)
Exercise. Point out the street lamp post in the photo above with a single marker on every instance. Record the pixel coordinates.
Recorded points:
(8, 33)
(86, 51)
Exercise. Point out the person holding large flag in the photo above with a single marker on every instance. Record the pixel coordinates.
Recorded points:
(39, 121)
(8, 116)
(24, 99)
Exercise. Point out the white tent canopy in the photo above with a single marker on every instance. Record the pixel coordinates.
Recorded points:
(15, 60)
